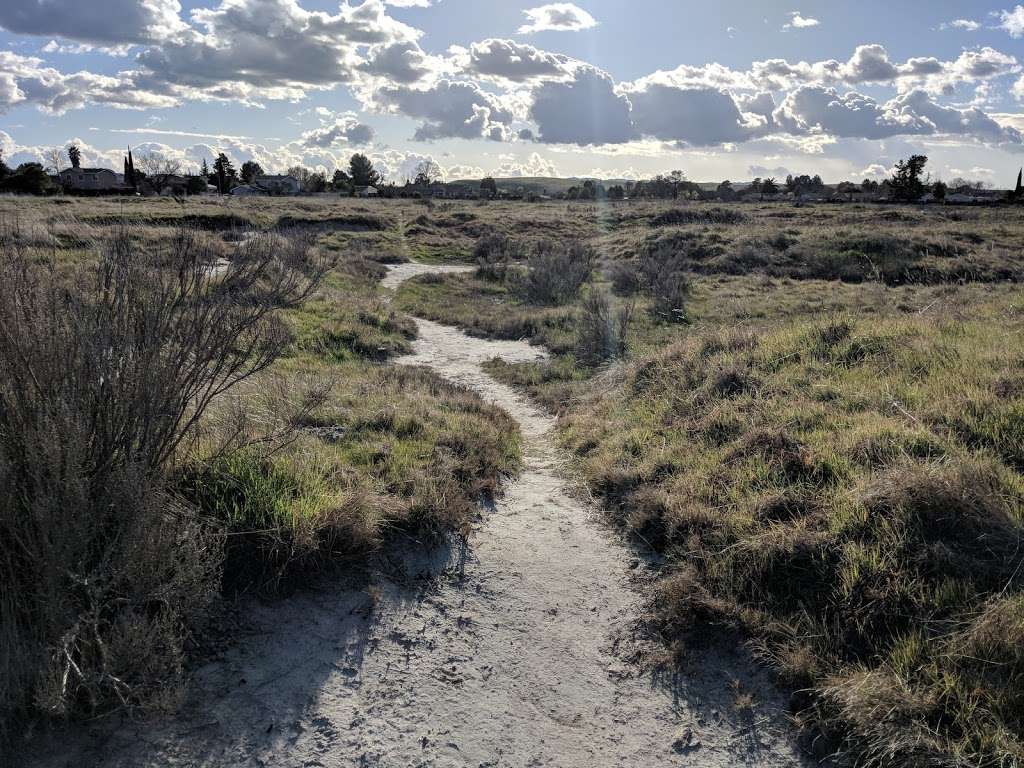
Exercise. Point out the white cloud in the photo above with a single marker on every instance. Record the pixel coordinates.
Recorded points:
(966, 25)
(509, 61)
(534, 165)
(344, 129)
(1018, 89)
(27, 80)
(448, 109)
(557, 17)
(246, 49)
(1013, 21)
(875, 170)
(796, 21)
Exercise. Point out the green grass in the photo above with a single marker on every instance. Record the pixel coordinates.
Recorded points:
(847, 492)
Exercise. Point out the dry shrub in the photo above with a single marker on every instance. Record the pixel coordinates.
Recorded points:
(662, 275)
(557, 272)
(494, 254)
(714, 215)
(601, 331)
(104, 373)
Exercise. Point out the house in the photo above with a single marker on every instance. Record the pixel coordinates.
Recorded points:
(248, 190)
(959, 198)
(90, 179)
(278, 185)
(366, 191)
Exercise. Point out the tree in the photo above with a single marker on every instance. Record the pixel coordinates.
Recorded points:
(204, 171)
(159, 169)
(224, 171)
(488, 188)
(55, 159)
(361, 169)
(869, 185)
(75, 155)
(427, 172)
(616, 192)
(341, 182)
(769, 186)
(905, 183)
(726, 192)
(196, 185)
(250, 170)
(4, 170)
(27, 179)
(939, 190)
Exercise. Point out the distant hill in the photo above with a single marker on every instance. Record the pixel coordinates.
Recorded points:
(554, 185)
(540, 184)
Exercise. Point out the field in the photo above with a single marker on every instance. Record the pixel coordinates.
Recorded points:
(814, 415)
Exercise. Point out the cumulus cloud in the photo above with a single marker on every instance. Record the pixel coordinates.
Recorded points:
(871, 64)
(584, 110)
(402, 62)
(1013, 21)
(796, 21)
(97, 22)
(557, 17)
(272, 47)
(534, 165)
(813, 109)
(448, 109)
(345, 129)
(698, 117)
(27, 80)
(507, 60)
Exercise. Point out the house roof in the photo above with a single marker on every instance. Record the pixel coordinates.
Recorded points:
(278, 177)
(88, 170)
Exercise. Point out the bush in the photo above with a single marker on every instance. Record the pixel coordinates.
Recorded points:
(557, 272)
(104, 374)
(716, 215)
(493, 254)
(625, 277)
(601, 331)
(663, 278)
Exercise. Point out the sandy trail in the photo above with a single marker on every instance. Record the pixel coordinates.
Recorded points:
(516, 650)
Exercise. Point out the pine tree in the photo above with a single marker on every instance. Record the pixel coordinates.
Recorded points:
(1020, 176)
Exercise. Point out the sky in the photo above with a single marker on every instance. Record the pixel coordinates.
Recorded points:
(606, 88)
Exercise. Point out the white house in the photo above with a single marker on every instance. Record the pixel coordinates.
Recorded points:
(90, 179)
(366, 191)
(278, 185)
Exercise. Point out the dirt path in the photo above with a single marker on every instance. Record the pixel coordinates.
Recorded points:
(514, 651)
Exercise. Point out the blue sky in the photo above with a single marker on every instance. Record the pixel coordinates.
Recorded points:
(597, 87)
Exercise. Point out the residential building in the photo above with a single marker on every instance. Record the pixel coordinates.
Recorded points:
(91, 179)
(278, 185)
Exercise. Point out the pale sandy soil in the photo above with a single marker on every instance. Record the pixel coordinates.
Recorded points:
(518, 649)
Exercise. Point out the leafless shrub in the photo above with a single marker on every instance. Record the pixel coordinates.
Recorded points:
(625, 277)
(557, 271)
(493, 255)
(663, 278)
(104, 374)
(601, 331)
